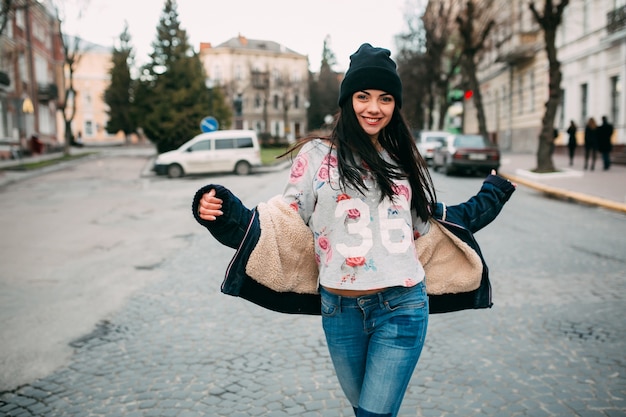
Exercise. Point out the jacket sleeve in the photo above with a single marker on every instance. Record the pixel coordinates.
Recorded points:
(230, 228)
(482, 208)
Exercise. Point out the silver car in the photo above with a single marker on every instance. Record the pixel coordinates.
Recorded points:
(467, 153)
(429, 140)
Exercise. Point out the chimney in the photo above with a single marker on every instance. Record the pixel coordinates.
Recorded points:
(243, 40)
(205, 45)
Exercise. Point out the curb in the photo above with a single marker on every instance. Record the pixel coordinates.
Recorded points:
(568, 195)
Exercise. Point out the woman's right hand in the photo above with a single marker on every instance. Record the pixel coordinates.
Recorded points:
(210, 206)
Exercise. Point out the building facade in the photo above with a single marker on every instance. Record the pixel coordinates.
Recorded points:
(31, 73)
(591, 46)
(91, 78)
(267, 83)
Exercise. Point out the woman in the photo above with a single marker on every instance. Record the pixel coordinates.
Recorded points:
(358, 197)
(365, 194)
(571, 143)
(591, 142)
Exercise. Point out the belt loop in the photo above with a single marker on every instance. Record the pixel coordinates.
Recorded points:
(339, 303)
(381, 299)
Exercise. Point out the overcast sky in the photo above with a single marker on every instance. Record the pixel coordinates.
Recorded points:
(298, 25)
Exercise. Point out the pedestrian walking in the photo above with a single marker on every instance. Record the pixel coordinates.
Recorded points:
(360, 208)
(605, 132)
(591, 143)
(571, 142)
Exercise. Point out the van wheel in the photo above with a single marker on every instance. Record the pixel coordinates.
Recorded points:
(243, 168)
(175, 171)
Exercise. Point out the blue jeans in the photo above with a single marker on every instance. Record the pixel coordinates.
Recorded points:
(374, 342)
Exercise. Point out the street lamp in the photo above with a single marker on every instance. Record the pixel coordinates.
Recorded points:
(27, 106)
(209, 83)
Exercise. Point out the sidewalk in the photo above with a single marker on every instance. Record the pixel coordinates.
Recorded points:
(597, 188)
(10, 171)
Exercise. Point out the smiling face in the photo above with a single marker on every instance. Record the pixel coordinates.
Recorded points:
(373, 109)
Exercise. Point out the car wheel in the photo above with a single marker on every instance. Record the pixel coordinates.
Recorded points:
(175, 171)
(243, 168)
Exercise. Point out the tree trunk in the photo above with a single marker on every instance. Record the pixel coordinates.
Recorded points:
(443, 109)
(477, 96)
(546, 137)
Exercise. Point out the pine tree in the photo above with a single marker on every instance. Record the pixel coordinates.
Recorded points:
(324, 90)
(172, 98)
(118, 95)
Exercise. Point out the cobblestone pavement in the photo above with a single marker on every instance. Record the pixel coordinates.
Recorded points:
(553, 345)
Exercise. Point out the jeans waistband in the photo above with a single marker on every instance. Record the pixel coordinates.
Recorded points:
(378, 297)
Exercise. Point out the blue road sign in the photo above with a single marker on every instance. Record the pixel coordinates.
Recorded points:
(209, 124)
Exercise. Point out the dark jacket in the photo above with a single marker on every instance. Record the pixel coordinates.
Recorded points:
(591, 137)
(240, 228)
(605, 131)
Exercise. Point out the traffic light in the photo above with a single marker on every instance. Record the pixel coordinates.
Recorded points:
(468, 94)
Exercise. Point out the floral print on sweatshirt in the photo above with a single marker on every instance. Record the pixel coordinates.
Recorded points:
(360, 242)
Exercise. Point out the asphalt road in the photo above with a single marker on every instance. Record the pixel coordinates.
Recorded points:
(110, 306)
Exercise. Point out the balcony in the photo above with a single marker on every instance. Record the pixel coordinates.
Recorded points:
(519, 47)
(260, 80)
(4, 79)
(616, 20)
(47, 92)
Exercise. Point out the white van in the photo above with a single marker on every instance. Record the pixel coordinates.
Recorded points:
(235, 151)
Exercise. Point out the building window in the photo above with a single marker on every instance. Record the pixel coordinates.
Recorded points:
(520, 93)
(583, 103)
(276, 101)
(616, 97)
(257, 101)
(217, 74)
(531, 77)
(238, 73)
(296, 101)
(21, 62)
(41, 70)
(88, 128)
(19, 18)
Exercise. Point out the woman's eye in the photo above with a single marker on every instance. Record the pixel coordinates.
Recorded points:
(387, 99)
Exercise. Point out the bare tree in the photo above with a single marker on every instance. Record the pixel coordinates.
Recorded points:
(414, 68)
(444, 57)
(73, 50)
(549, 20)
(67, 107)
(474, 27)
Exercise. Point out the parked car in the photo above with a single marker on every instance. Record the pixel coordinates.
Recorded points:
(467, 153)
(235, 151)
(428, 140)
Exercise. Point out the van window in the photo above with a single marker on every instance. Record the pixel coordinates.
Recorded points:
(224, 144)
(244, 142)
(203, 145)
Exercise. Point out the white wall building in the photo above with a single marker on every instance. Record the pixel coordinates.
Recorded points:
(591, 46)
(267, 83)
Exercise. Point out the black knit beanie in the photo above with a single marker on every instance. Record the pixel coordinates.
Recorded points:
(371, 68)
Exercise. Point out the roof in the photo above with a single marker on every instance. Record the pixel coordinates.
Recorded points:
(241, 42)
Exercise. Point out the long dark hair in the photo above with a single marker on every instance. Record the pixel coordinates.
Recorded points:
(352, 142)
